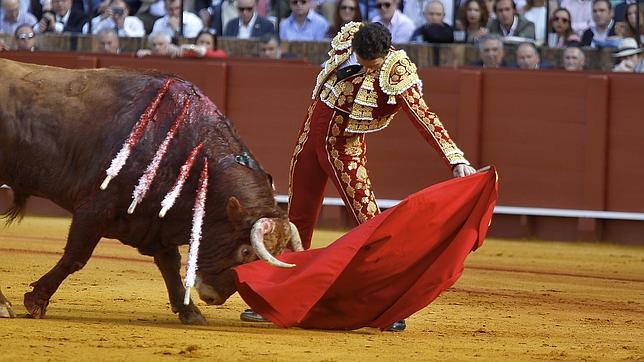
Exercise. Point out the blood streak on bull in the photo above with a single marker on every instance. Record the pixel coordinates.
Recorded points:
(119, 161)
(171, 197)
(148, 176)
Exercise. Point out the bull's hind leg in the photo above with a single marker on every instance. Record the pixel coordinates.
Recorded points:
(169, 263)
(6, 311)
(82, 239)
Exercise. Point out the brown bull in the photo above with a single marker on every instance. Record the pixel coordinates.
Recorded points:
(129, 154)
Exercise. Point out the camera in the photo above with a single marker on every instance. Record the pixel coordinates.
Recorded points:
(118, 11)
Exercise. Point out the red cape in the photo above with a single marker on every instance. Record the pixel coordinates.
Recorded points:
(383, 270)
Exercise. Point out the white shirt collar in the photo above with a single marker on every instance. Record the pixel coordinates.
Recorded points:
(64, 18)
(513, 28)
(246, 30)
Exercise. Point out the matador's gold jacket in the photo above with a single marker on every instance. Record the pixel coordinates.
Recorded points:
(371, 99)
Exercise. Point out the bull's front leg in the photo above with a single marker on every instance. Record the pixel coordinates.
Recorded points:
(169, 263)
(82, 239)
(6, 311)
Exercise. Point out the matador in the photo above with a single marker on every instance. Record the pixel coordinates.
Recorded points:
(358, 91)
(361, 87)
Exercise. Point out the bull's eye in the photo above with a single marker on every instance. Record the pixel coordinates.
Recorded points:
(245, 252)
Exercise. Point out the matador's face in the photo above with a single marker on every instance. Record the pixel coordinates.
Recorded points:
(371, 64)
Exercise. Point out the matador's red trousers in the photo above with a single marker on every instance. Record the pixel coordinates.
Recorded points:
(324, 151)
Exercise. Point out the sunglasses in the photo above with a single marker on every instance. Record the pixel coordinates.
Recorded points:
(563, 20)
(383, 5)
(242, 9)
(25, 36)
(301, 2)
(352, 8)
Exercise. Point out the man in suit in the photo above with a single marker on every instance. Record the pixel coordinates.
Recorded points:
(62, 19)
(602, 34)
(13, 16)
(170, 23)
(527, 57)
(573, 59)
(509, 23)
(249, 24)
(491, 52)
(436, 30)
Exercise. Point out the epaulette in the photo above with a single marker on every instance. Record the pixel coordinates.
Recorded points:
(342, 40)
(339, 53)
(398, 73)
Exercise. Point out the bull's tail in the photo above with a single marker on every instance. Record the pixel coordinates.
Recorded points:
(17, 209)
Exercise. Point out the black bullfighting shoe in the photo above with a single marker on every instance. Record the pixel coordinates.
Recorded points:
(250, 316)
(397, 326)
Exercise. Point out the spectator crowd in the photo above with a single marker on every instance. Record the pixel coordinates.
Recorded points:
(489, 24)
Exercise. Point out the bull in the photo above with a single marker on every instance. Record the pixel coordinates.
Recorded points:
(141, 157)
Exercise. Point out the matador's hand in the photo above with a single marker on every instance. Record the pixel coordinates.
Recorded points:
(462, 170)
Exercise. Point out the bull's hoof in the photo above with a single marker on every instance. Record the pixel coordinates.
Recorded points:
(190, 314)
(36, 307)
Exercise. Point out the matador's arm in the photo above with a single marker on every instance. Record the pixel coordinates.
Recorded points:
(399, 80)
(430, 127)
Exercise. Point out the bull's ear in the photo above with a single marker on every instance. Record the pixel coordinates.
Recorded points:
(235, 211)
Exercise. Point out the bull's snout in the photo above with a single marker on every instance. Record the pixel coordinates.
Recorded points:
(211, 300)
(208, 294)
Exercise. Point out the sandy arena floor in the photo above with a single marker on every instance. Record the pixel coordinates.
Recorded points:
(517, 300)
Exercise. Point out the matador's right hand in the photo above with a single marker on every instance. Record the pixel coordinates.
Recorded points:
(462, 170)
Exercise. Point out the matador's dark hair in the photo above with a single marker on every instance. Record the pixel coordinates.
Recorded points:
(372, 41)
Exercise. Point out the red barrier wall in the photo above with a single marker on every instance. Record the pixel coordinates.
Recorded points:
(559, 139)
(625, 161)
(268, 117)
(64, 60)
(210, 76)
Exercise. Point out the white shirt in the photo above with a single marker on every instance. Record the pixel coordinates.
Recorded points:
(158, 8)
(414, 10)
(192, 25)
(60, 22)
(132, 26)
(10, 27)
(400, 26)
(228, 11)
(246, 30)
(538, 17)
(582, 14)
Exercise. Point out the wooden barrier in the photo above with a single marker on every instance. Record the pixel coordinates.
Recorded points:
(63, 60)
(559, 139)
(210, 76)
(424, 55)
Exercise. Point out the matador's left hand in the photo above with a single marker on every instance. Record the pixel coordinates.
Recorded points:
(462, 170)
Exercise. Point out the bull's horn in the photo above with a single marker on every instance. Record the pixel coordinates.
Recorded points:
(261, 227)
(296, 242)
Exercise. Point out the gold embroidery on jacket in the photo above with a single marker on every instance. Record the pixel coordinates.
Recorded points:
(355, 126)
(339, 53)
(398, 73)
(433, 125)
(366, 99)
